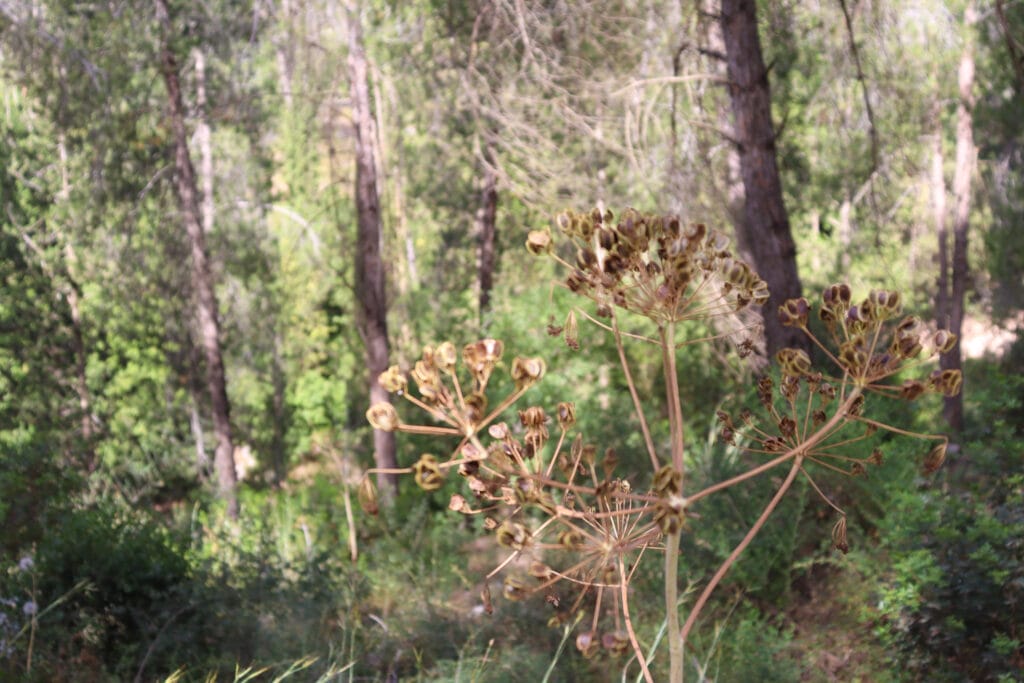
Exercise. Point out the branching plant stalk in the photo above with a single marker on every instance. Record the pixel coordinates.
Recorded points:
(637, 405)
(738, 550)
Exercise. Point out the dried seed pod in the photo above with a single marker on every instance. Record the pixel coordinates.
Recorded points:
(839, 541)
(793, 313)
(616, 642)
(533, 417)
(936, 456)
(668, 481)
(570, 539)
(392, 380)
(458, 504)
(566, 415)
(367, 495)
(476, 407)
(787, 427)
(527, 371)
(541, 571)
(485, 598)
(793, 362)
(512, 535)
(427, 472)
(383, 416)
(587, 643)
(572, 331)
(668, 515)
(513, 589)
(538, 242)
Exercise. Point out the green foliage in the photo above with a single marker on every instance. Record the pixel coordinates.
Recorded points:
(955, 591)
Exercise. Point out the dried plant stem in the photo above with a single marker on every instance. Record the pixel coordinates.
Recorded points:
(738, 478)
(675, 638)
(738, 550)
(624, 591)
(637, 405)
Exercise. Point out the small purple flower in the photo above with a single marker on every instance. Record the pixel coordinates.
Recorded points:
(26, 563)
(30, 608)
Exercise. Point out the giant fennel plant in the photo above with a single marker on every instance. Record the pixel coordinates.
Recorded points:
(563, 509)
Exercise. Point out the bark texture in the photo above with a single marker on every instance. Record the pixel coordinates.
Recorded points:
(966, 154)
(202, 279)
(765, 232)
(370, 278)
(486, 221)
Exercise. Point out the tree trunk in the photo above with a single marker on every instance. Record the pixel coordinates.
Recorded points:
(953, 410)
(370, 291)
(202, 280)
(486, 218)
(765, 232)
(204, 138)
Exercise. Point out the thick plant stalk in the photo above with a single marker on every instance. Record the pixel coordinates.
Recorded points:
(675, 413)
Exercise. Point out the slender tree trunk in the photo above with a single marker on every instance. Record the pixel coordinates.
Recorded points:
(204, 138)
(937, 182)
(370, 280)
(486, 220)
(765, 231)
(966, 153)
(202, 280)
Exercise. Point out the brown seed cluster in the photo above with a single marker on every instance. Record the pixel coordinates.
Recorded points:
(652, 265)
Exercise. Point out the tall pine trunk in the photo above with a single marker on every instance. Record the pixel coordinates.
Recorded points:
(370, 280)
(966, 153)
(765, 233)
(202, 279)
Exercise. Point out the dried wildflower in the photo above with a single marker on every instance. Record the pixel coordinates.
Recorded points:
(383, 416)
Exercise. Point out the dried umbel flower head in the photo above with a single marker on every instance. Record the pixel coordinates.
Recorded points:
(653, 265)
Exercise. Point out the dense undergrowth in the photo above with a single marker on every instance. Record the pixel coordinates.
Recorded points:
(932, 589)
